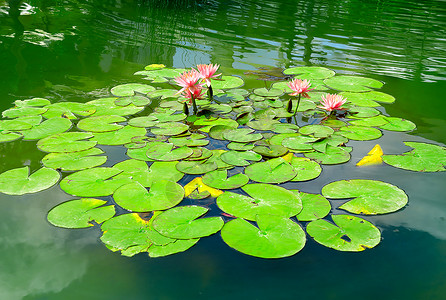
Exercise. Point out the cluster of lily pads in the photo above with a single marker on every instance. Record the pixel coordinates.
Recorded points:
(239, 150)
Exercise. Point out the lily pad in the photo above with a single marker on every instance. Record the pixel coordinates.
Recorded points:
(165, 152)
(240, 158)
(19, 181)
(23, 112)
(163, 194)
(209, 123)
(22, 123)
(136, 100)
(264, 199)
(240, 146)
(285, 128)
(194, 140)
(95, 182)
(6, 136)
(227, 82)
(349, 234)
(66, 142)
(183, 223)
(75, 161)
(353, 83)
(317, 131)
(398, 124)
(118, 137)
(310, 72)
(370, 122)
(370, 197)
(363, 112)
(368, 98)
(107, 107)
(146, 121)
(270, 150)
(129, 89)
(275, 237)
(306, 169)
(275, 170)
(263, 124)
(47, 128)
(314, 206)
(219, 179)
(68, 110)
(331, 156)
(172, 248)
(360, 133)
(264, 92)
(196, 167)
(299, 143)
(32, 102)
(423, 158)
(242, 135)
(101, 123)
(80, 213)
(172, 128)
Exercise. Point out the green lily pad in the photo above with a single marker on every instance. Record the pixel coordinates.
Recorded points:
(227, 82)
(370, 122)
(423, 158)
(285, 128)
(183, 223)
(22, 123)
(331, 156)
(264, 199)
(240, 158)
(196, 167)
(194, 140)
(398, 124)
(136, 100)
(240, 146)
(32, 102)
(172, 128)
(209, 123)
(314, 206)
(163, 194)
(69, 110)
(165, 152)
(275, 170)
(333, 140)
(270, 150)
(163, 93)
(95, 182)
(363, 112)
(306, 169)
(66, 142)
(165, 170)
(129, 89)
(368, 98)
(216, 132)
(349, 234)
(134, 170)
(47, 128)
(264, 92)
(6, 136)
(299, 143)
(263, 124)
(317, 131)
(278, 138)
(167, 115)
(19, 182)
(140, 153)
(74, 161)
(23, 112)
(353, 83)
(80, 213)
(275, 237)
(242, 135)
(101, 123)
(219, 179)
(360, 133)
(118, 137)
(172, 248)
(146, 121)
(107, 107)
(370, 197)
(310, 72)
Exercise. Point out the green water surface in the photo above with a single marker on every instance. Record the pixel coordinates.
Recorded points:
(77, 50)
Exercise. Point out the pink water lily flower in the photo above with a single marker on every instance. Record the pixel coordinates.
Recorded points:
(331, 102)
(299, 87)
(207, 72)
(196, 94)
(189, 81)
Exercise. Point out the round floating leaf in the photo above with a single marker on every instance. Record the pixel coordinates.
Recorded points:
(101, 123)
(135, 100)
(277, 139)
(118, 137)
(310, 72)
(270, 150)
(194, 140)
(227, 82)
(167, 116)
(165, 170)
(216, 132)
(163, 194)
(68, 110)
(143, 121)
(139, 153)
(22, 123)
(93, 182)
(219, 179)
(172, 128)
(368, 98)
(32, 102)
(66, 142)
(360, 133)
(265, 199)
(242, 135)
(171, 248)
(47, 128)
(349, 234)
(163, 151)
(107, 107)
(80, 213)
(129, 89)
(264, 92)
(263, 124)
(182, 223)
(333, 140)
(240, 158)
(196, 167)
(423, 158)
(275, 170)
(285, 128)
(19, 182)
(200, 154)
(276, 236)
(306, 169)
(6, 136)
(370, 197)
(370, 122)
(74, 161)
(317, 131)
(209, 123)
(23, 112)
(239, 146)
(363, 112)
(314, 206)
(135, 170)
(163, 93)
(331, 156)
(398, 124)
(299, 143)
(353, 83)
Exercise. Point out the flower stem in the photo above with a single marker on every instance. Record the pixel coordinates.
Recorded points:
(297, 106)
(194, 106)
(211, 93)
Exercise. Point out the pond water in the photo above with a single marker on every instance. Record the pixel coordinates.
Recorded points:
(77, 50)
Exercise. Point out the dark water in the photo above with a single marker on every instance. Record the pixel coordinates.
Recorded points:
(77, 50)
